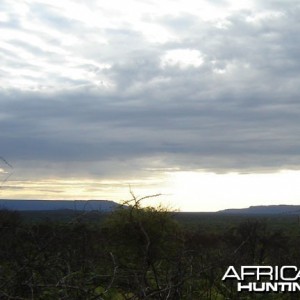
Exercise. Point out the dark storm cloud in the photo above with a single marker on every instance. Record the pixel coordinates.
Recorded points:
(238, 110)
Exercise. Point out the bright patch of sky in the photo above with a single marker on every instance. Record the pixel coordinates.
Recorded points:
(182, 58)
(122, 92)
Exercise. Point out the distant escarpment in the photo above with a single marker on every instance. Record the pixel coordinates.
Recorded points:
(264, 209)
(44, 205)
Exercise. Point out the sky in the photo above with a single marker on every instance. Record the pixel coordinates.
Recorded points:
(196, 100)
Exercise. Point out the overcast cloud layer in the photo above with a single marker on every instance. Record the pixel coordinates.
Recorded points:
(104, 90)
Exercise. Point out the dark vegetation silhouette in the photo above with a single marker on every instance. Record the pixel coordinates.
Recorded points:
(136, 252)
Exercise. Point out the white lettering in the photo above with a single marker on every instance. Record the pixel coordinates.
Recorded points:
(258, 286)
(268, 272)
(282, 276)
(247, 287)
(296, 286)
(245, 273)
(271, 286)
(276, 273)
(255, 278)
(285, 284)
(234, 275)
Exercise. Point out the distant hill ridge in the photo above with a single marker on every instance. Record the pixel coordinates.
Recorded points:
(76, 205)
(264, 209)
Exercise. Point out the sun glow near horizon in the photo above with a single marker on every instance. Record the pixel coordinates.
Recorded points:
(180, 190)
(202, 191)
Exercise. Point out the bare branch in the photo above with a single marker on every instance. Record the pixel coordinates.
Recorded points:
(6, 162)
(8, 174)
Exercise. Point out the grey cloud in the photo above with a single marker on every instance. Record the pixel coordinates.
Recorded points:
(268, 45)
(62, 132)
(194, 118)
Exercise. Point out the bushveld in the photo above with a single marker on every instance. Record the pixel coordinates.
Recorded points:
(139, 252)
